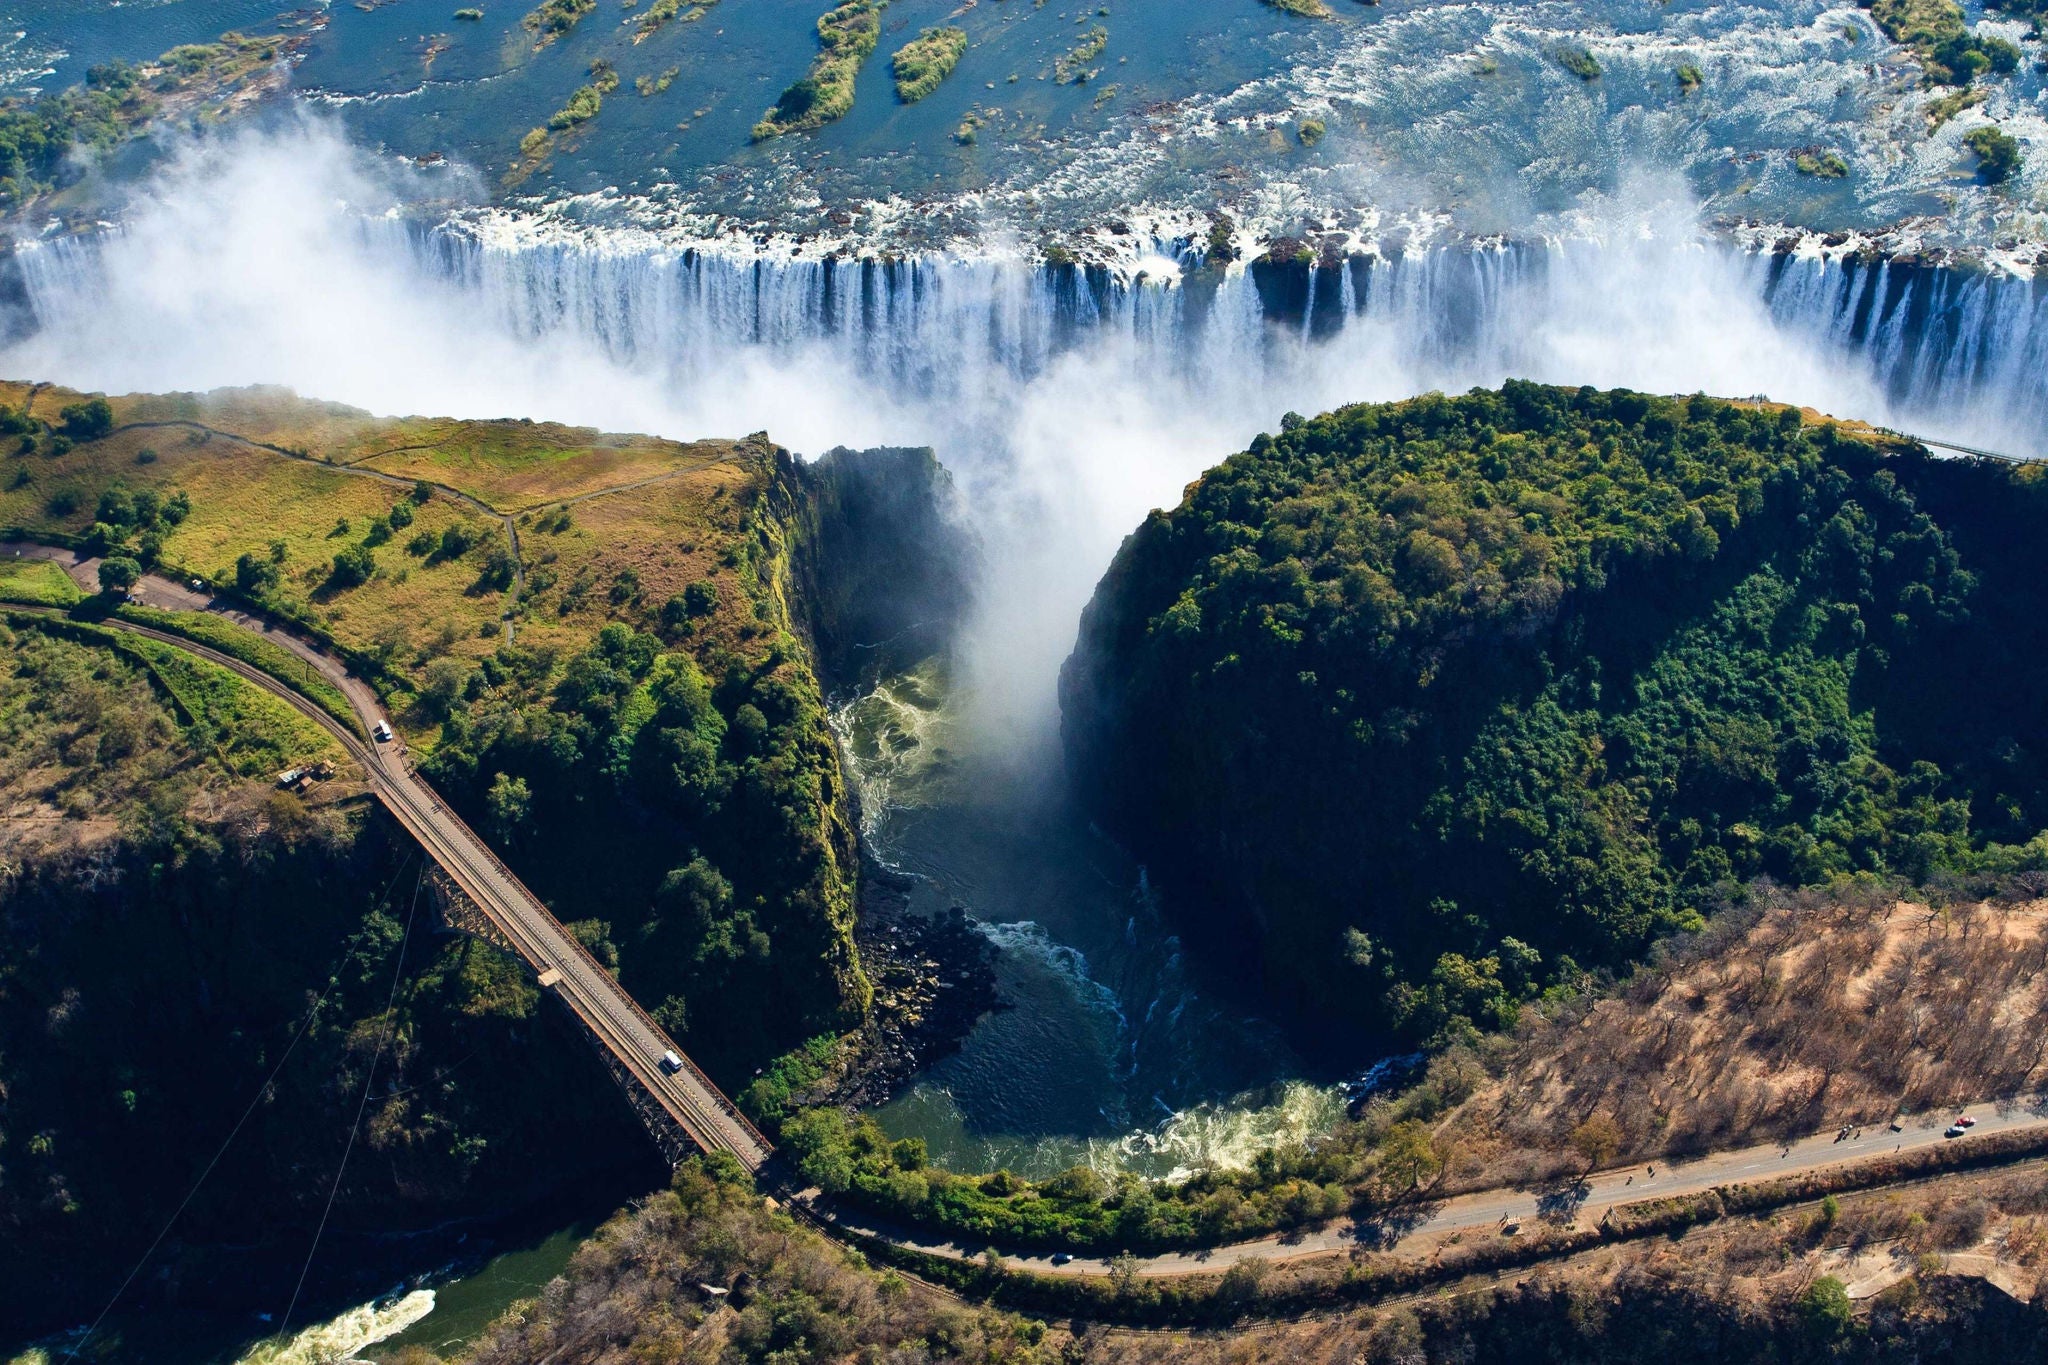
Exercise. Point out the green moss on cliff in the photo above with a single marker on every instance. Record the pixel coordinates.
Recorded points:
(1434, 702)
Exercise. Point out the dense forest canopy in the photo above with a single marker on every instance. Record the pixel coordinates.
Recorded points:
(1443, 702)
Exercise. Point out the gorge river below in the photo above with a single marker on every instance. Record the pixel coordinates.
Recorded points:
(1109, 1047)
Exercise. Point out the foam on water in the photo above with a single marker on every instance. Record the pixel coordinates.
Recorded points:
(343, 1339)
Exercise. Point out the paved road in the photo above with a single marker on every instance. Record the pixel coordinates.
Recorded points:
(1487, 1210)
(638, 1043)
(612, 1015)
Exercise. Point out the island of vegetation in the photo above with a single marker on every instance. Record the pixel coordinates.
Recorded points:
(662, 12)
(1939, 35)
(599, 649)
(926, 60)
(551, 19)
(1307, 9)
(1579, 61)
(1821, 163)
(1072, 66)
(1997, 152)
(846, 37)
(48, 143)
(1424, 708)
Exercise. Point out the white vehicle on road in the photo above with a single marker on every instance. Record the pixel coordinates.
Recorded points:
(381, 731)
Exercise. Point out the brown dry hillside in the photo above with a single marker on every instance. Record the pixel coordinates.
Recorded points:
(609, 527)
(1813, 1013)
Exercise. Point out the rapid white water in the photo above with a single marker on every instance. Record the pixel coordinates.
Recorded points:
(344, 1338)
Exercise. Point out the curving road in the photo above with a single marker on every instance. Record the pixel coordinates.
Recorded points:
(697, 1106)
(613, 1017)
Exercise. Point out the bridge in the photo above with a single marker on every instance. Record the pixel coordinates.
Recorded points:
(1933, 444)
(632, 1043)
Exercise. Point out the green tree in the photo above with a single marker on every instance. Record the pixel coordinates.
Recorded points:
(87, 421)
(1825, 1309)
(443, 687)
(1408, 1156)
(118, 574)
(510, 803)
(255, 577)
(352, 567)
(1597, 1140)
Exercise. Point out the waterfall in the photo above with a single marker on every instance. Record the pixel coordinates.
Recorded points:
(1068, 399)
(1959, 351)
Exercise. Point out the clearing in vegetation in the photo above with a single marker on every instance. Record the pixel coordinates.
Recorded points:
(37, 583)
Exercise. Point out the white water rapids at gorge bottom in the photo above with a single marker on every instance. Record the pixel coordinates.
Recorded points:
(1067, 403)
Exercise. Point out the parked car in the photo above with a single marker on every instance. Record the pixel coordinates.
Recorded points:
(670, 1062)
(1966, 1122)
(1062, 1257)
(381, 732)
(1955, 1130)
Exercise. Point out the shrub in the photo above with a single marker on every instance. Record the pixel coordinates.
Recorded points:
(352, 567)
(89, 420)
(1311, 131)
(1825, 1309)
(1579, 62)
(1998, 154)
(117, 507)
(254, 576)
(1689, 78)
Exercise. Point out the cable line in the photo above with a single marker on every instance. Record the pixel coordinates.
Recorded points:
(261, 1091)
(383, 1038)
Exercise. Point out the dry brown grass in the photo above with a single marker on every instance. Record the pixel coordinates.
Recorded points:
(667, 511)
(519, 466)
(1815, 1016)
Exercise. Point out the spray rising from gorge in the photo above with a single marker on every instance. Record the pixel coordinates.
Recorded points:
(1067, 400)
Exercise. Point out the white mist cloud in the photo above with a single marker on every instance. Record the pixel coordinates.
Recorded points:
(248, 260)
